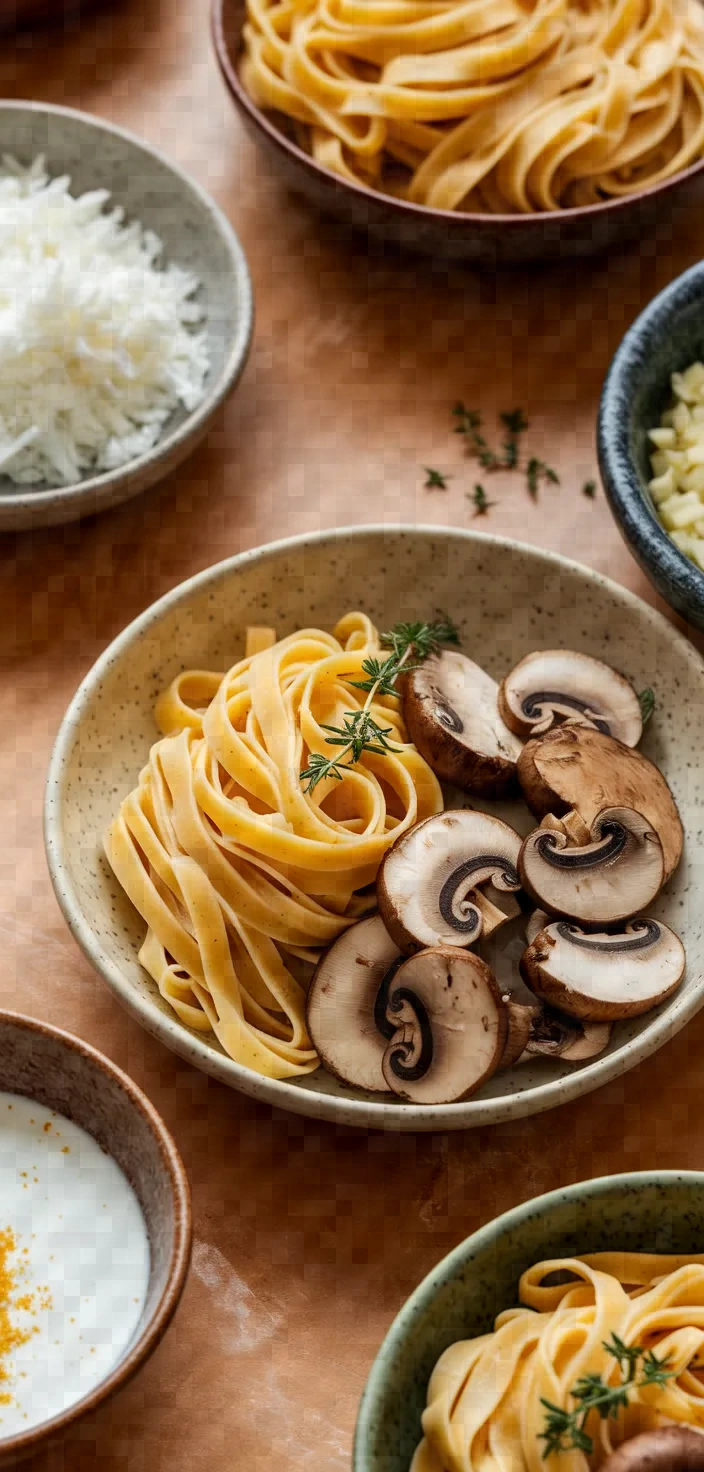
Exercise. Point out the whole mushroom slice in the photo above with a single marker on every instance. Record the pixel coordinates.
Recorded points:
(428, 884)
(599, 977)
(451, 1026)
(450, 707)
(345, 1008)
(576, 767)
(665, 1449)
(555, 685)
(619, 873)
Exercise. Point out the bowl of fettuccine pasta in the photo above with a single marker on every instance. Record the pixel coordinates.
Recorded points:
(481, 1365)
(205, 870)
(496, 131)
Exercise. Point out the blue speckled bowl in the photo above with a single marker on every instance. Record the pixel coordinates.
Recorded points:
(661, 1211)
(668, 336)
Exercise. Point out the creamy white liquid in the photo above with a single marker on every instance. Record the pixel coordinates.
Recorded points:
(83, 1255)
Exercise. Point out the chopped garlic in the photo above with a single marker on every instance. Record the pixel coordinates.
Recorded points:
(677, 462)
(99, 343)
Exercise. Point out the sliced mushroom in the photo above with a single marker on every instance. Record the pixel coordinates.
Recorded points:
(345, 1011)
(577, 768)
(619, 873)
(536, 921)
(451, 711)
(553, 1035)
(665, 1449)
(428, 884)
(520, 1023)
(555, 685)
(601, 977)
(451, 1026)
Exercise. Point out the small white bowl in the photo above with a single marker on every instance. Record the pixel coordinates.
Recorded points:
(508, 599)
(195, 234)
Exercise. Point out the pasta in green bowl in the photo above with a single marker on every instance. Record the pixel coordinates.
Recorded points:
(588, 1296)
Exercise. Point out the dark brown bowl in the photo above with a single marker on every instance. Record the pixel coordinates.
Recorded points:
(483, 240)
(64, 1074)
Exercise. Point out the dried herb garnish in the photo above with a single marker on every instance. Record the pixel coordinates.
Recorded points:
(536, 472)
(515, 424)
(589, 489)
(436, 480)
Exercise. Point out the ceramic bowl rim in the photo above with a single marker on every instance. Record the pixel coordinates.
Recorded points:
(277, 1092)
(422, 1296)
(452, 220)
(142, 1346)
(236, 357)
(624, 487)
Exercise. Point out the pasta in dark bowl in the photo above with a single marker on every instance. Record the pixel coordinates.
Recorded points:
(466, 131)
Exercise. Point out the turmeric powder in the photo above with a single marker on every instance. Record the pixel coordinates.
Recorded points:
(11, 1335)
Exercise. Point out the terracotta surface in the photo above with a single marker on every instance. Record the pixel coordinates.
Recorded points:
(308, 1239)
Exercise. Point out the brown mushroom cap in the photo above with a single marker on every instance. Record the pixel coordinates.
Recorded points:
(520, 1022)
(344, 1009)
(451, 711)
(604, 977)
(619, 873)
(451, 1026)
(575, 767)
(666, 1449)
(554, 685)
(427, 883)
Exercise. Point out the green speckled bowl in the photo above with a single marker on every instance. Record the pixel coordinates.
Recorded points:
(657, 1211)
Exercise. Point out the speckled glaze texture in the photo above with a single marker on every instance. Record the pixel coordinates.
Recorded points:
(516, 599)
(659, 1211)
(668, 336)
(67, 1075)
(195, 234)
(482, 240)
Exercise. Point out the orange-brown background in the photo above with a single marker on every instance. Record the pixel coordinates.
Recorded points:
(307, 1238)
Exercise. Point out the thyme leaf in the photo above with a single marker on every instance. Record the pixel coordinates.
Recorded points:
(565, 1429)
(647, 704)
(436, 480)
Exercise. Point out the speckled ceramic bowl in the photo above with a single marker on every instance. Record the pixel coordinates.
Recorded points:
(508, 600)
(195, 234)
(64, 1074)
(483, 240)
(668, 336)
(657, 1211)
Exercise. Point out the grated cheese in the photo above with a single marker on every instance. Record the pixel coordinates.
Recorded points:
(98, 344)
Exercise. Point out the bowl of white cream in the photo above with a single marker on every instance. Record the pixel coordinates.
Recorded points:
(95, 1232)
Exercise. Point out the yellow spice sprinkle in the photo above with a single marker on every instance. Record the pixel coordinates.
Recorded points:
(11, 1336)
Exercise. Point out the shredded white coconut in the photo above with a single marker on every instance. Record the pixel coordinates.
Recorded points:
(98, 344)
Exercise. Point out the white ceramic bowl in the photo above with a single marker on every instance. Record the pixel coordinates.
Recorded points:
(195, 234)
(508, 599)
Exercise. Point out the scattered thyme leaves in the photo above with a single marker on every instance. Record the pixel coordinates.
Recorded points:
(480, 500)
(565, 1430)
(410, 643)
(436, 480)
(589, 490)
(646, 700)
(515, 424)
(469, 425)
(538, 472)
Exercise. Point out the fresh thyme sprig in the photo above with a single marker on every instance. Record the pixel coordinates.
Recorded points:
(589, 490)
(647, 704)
(515, 424)
(469, 424)
(537, 471)
(565, 1430)
(480, 501)
(410, 644)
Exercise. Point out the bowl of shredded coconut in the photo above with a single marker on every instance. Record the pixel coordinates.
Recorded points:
(125, 315)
